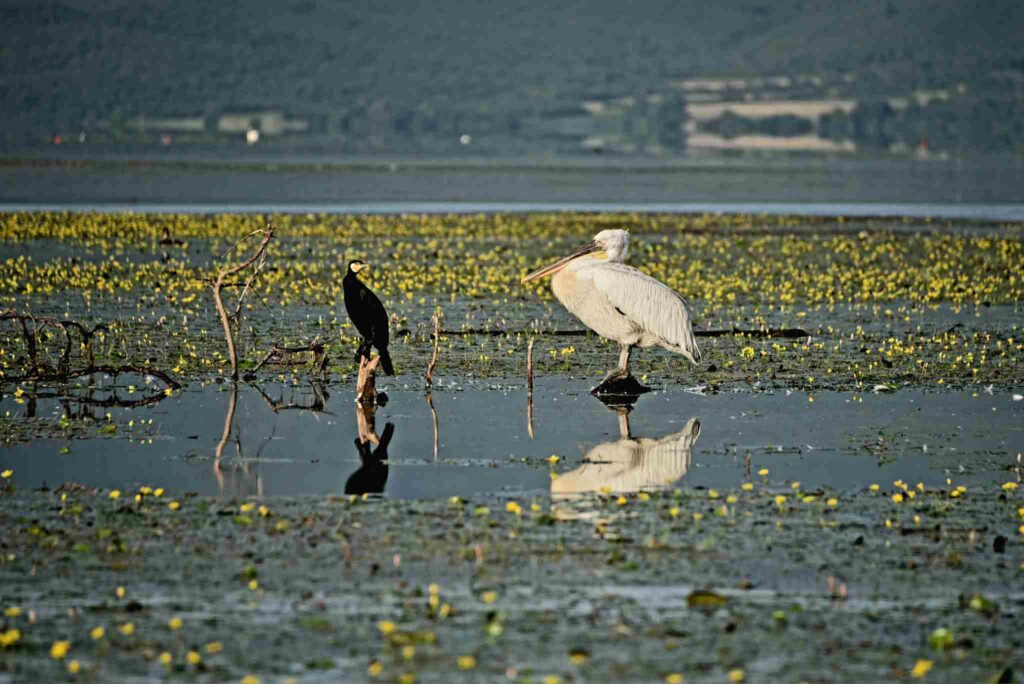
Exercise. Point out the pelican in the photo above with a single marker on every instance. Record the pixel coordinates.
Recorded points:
(620, 303)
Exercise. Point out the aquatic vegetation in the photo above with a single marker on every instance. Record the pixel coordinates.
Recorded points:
(542, 593)
(513, 587)
(882, 301)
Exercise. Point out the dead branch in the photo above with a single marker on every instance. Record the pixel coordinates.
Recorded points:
(529, 386)
(248, 284)
(30, 336)
(768, 332)
(278, 352)
(258, 256)
(366, 382)
(41, 371)
(27, 335)
(86, 335)
(498, 332)
(529, 365)
(436, 319)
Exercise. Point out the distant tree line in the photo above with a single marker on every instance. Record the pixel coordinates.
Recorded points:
(985, 124)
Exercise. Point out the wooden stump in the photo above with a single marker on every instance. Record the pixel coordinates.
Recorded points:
(366, 423)
(366, 382)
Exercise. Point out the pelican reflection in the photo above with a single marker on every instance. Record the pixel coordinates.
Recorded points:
(630, 464)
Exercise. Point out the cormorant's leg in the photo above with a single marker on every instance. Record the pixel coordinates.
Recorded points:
(363, 350)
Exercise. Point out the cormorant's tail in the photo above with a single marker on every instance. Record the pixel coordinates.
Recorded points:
(385, 362)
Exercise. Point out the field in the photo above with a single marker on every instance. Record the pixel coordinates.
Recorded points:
(832, 495)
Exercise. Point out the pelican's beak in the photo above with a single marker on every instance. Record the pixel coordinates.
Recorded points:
(547, 270)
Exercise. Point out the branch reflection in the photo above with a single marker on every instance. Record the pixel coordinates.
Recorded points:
(242, 476)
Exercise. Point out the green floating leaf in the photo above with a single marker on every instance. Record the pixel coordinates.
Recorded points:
(315, 623)
(941, 639)
(982, 605)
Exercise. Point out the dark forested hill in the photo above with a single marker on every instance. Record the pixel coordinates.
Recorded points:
(512, 75)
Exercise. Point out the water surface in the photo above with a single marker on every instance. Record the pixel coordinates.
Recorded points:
(288, 440)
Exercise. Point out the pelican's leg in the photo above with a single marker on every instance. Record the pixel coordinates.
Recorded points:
(622, 371)
(624, 359)
(619, 383)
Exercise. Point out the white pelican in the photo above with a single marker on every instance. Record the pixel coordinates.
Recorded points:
(620, 303)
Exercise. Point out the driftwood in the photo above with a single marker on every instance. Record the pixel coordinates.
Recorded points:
(771, 332)
(768, 332)
(257, 259)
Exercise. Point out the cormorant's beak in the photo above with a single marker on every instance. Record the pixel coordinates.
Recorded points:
(547, 270)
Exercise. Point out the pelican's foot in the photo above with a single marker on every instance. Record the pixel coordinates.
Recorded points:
(620, 383)
(614, 375)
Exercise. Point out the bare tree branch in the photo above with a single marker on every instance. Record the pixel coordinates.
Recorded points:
(258, 256)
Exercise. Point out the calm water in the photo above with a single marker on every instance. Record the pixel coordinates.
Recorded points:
(979, 212)
(670, 438)
(984, 188)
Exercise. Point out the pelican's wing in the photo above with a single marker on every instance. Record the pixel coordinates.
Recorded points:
(649, 303)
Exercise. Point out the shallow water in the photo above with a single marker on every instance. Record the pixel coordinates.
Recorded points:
(264, 181)
(840, 441)
(936, 210)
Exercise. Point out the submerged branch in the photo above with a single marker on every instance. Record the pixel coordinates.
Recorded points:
(278, 351)
(41, 371)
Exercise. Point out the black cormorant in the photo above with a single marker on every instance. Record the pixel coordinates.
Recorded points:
(368, 315)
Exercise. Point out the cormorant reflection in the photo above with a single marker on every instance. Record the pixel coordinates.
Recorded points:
(372, 474)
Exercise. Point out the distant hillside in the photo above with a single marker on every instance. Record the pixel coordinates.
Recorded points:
(512, 77)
